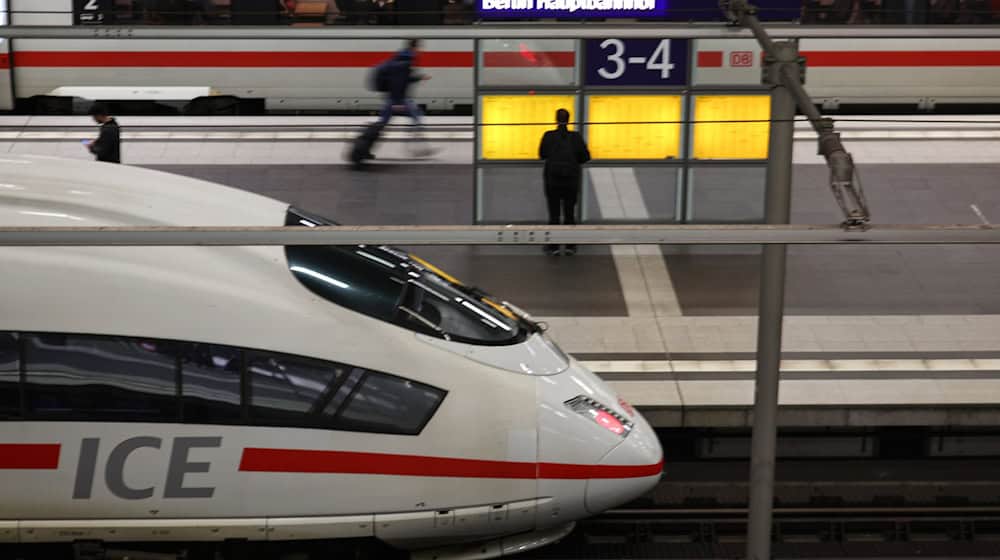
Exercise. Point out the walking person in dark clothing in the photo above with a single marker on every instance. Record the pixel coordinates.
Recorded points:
(399, 76)
(393, 77)
(564, 153)
(107, 147)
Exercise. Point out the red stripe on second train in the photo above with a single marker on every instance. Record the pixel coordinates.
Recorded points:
(550, 59)
(878, 59)
(29, 455)
(235, 59)
(257, 459)
(710, 59)
(4, 61)
(901, 58)
(454, 59)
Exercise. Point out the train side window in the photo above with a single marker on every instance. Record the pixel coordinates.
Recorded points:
(344, 389)
(10, 401)
(389, 404)
(291, 390)
(89, 377)
(211, 384)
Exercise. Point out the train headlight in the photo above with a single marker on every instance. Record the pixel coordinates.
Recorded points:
(600, 414)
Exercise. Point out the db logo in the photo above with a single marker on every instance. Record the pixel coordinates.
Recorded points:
(740, 59)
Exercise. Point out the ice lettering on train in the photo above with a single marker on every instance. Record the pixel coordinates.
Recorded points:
(114, 468)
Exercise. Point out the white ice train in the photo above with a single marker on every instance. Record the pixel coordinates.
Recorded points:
(279, 393)
(331, 75)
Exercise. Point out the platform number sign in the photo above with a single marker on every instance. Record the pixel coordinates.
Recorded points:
(91, 12)
(637, 62)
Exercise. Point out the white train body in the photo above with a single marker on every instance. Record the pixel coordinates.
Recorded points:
(332, 75)
(500, 450)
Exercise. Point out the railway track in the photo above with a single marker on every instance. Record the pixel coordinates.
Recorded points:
(799, 532)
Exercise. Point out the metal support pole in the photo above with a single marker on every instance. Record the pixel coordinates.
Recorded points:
(771, 306)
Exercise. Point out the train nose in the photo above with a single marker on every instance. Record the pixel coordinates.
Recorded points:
(629, 470)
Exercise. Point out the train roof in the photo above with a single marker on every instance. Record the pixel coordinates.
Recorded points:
(49, 191)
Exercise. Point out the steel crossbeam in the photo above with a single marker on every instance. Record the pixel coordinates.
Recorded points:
(501, 31)
(503, 235)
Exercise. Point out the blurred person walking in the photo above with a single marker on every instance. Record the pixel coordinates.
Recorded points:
(394, 78)
(564, 153)
(107, 146)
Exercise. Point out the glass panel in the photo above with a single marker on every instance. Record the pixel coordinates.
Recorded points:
(721, 138)
(100, 378)
(631, 194)
(348, 279)
(10, 401)
(211, 383)
(661, 140)
(520, 140)
(527, 62)
(727, 194)
(385, 403)
(512, 194)
(344, 391)
(289, 389)
(391, 285)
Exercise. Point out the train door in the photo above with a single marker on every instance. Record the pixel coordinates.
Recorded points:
(6, 83)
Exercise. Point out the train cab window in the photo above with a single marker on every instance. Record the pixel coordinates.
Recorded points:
(390, 404)
(10, 401)
(346, 279)
(290, 390)
(394, 286)
(211, 383)
(90, 377)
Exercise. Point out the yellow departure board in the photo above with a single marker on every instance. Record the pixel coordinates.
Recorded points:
(736, 140)
(519, 142)
(657, 137)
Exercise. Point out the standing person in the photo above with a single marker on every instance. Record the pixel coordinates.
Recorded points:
(564, 153)
(107, 146)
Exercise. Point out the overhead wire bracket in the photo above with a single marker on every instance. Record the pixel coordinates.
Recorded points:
(845, 182)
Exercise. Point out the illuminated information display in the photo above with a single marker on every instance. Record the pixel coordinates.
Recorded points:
(731, 140)
(519, 141)
(656, 134)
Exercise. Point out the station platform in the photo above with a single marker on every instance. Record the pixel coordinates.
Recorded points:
(874, 336)
(269, 140)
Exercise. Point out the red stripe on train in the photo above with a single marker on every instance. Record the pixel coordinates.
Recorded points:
(455, 59)
(529, 59)
(710, 59)
(221, 59)
(901, 58)
(4, 61)
(878, 59)
(353, 462)
(271, 59)
(29, 455)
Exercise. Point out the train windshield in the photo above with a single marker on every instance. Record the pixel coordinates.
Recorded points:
(395, 286)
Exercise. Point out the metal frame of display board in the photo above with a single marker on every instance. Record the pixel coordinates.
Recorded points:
(685, 166)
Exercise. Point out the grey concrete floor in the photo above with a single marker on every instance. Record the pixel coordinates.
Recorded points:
(831, 280)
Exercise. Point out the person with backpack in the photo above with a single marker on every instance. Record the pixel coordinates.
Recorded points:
(564, 153)
(392, 77)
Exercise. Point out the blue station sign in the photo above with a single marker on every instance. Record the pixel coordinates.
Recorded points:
(673, 10)
(637, 62)
(576, 9)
